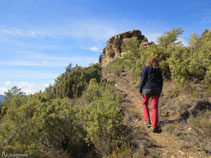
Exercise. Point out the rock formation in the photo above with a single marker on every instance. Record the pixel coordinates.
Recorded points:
(113, 47)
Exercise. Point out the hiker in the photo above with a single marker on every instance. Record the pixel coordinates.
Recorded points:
(150, 87)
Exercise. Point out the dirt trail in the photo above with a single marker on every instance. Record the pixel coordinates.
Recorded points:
(168, 146)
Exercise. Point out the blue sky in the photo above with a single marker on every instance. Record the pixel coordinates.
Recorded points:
(39, 38)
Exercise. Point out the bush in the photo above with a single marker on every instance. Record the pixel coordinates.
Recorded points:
(58, 127)
(117, 43)
(73, 83)
(102, 117)
(103, 125)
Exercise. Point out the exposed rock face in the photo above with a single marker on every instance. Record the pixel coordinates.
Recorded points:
(113, 48)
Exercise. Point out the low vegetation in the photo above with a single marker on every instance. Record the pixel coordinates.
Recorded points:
(85, 122)
(81, 115)
(180, 64)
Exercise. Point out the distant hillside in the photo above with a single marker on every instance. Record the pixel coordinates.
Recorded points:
(1, 98)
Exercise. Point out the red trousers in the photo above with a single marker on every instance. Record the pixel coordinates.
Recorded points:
(145, 101)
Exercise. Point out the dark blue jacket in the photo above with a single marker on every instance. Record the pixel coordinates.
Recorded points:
(151, 78)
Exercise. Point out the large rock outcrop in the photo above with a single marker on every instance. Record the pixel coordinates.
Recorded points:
(113, 47)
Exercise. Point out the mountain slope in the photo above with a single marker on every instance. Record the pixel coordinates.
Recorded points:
(1, 98)
(164, 143)
(185, 104)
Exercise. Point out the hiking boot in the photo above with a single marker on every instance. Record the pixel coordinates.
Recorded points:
(148, 124)
(154, 130)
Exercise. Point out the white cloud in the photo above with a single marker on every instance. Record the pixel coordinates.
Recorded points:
(91, 29)
(94, 49)
(45, 62)
(3, 89)
(30, 87)
(23, 63)
(27, 87)
(25, 84)
(16, 32)
(23, 45)
(79, 29)
(7, 83)
(184, 42)
(52, 61)
(46, 85)
(29, 74)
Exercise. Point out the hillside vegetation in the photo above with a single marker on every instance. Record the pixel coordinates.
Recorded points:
(179, 63)
(185, 103)
(86, 114)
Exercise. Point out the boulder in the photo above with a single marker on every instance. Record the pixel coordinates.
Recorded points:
(113, 48)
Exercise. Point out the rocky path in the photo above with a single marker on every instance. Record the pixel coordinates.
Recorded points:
(167, 145)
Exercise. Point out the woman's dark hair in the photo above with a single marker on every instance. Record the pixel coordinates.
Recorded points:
(153, 62)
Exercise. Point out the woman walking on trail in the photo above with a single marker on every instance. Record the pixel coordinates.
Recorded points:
(150, 87)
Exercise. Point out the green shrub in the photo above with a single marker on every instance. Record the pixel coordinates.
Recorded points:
(117, 42)
(102, 117)
(73, 83)
(103, 125)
